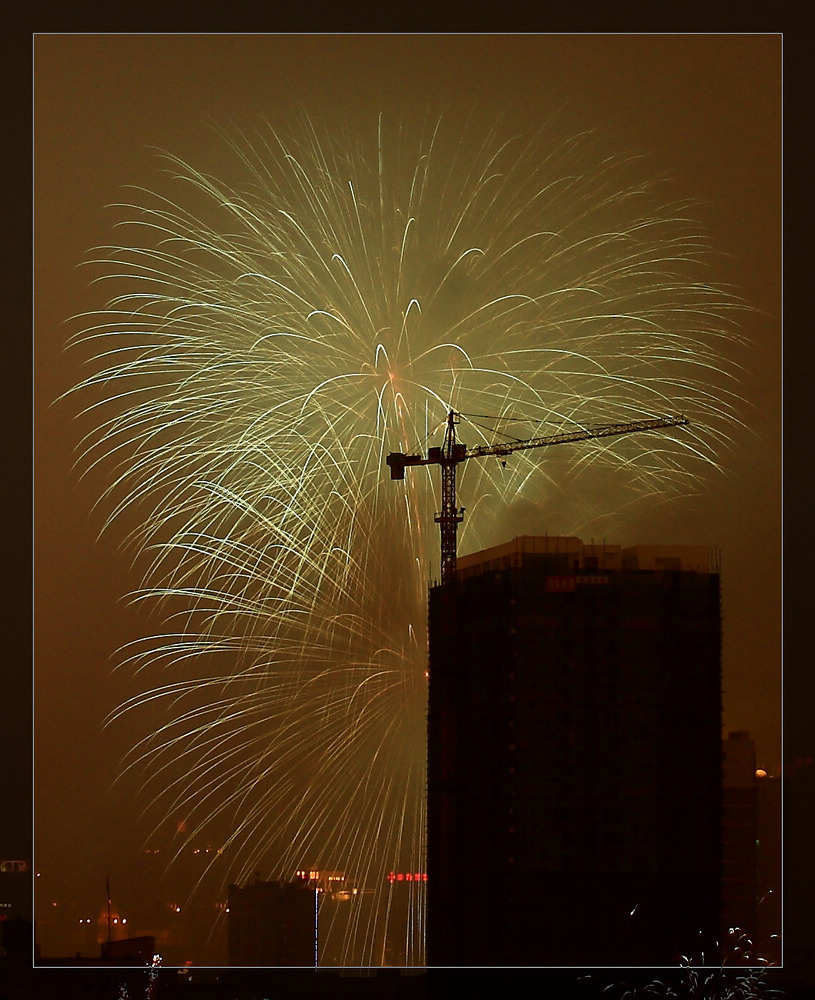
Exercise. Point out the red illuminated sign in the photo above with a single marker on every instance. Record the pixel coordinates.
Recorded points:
(407, 876)
(564, 584)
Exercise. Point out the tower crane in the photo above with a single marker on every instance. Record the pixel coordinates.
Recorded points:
(451, 454)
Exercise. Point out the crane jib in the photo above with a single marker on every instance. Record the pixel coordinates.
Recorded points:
(583, 434)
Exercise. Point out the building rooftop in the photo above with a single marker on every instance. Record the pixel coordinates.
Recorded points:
(571, 554)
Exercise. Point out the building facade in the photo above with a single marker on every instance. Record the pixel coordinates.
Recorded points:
(574, 756)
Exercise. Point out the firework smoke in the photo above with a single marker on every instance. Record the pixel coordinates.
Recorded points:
(266, 342)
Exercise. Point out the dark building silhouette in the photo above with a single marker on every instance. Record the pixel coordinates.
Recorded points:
(751, 857)
(739, 835)
(130, 951)
(404, 941)
(769, 852)
(350, 936)
(272, 924)
(574, 757)
(15, 890)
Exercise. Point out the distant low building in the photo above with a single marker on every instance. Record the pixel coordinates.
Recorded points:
(272, 924)
(751, 854)
(136, 951)
(769, 853)
(15, 890)
(739, 833)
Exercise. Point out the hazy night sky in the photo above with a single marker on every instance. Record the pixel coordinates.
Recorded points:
(708, 109)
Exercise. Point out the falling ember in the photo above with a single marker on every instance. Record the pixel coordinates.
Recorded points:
(244, 397)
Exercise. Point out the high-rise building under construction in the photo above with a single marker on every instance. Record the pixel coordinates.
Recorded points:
(574, 756)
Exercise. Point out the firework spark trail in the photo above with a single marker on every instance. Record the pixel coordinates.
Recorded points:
(266, 344)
